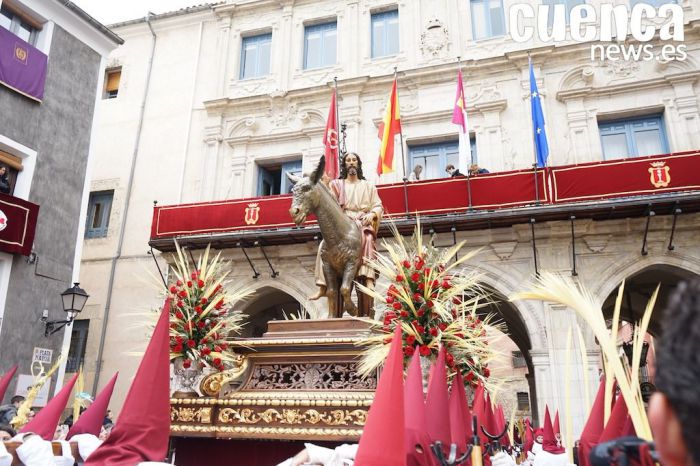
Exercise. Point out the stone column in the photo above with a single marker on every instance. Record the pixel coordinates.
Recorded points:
(223, 53)
(687, 136)
(285, 42)
(212, 139)
(580, 145)
(490, 150)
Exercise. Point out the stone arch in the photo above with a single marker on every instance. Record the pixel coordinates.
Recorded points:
(641, 278)
(576, 78)
(267, 303)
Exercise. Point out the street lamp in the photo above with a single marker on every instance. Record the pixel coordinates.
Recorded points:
(74, 299)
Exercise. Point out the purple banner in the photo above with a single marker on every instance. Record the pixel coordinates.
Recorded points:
(22, 66)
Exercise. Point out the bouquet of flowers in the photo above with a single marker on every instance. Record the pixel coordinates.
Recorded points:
(200, 313)
(434, 305)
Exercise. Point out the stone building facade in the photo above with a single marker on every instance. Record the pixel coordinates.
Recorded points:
(218, 101)
(51, 144)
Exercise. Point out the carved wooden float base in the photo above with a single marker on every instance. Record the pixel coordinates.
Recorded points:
(299, 381)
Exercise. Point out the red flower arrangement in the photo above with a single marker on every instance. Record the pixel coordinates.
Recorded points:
(200, 317)
(434, 304)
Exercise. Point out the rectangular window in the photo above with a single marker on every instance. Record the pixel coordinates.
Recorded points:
(385, 33)
(523, 401)
(568, 6)
(255, 56)
(518, 359)
(633, 138)
(488, 19)
(112, 78)
(272, 179)
(435, 157)
(320, 45)
(19, 24)
(99, 208)
(78, 343)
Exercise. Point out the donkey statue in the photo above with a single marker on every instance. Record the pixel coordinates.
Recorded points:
(341, 252)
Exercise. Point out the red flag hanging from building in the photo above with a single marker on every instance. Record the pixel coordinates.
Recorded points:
(388, 129)
(330, 140)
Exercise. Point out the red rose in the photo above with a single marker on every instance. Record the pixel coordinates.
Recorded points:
(186, 363)
(446, 285)
(218, 287)
(180, 304)
(182, 294)
(179, 315)
(404, 314)
(206, 350)
(194, 274)
(200, 283)
(420, 312)
(200, 324)
(179, 283)
(450, 359)
(397, 305)
(198, 309)
(487, 372)
(414, 323)
(220, 304)
(217, 348)
(399, 278)
(430, 304)
(434, 331)
(204, 340)
(424, 350)
(470, 376)
(224, 345)
(434, 295)
(173, 289)
(421, 286)
(410, 340)
(177, 348)
(442, 326)
(189, 284)
(409, 350)
(389, 299)
(203, 301)
(415, 277)
(390, 315)
(178, 339)
(406, 264)
(427, 271)
(456, 300)
(223, 324)
(190, 343)
(419, 262)
(420, 329)
(417, 297)
(172, 325)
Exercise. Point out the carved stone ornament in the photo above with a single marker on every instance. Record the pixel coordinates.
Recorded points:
(434, 40)
(315, 376)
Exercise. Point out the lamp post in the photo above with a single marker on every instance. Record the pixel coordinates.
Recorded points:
(74, 300)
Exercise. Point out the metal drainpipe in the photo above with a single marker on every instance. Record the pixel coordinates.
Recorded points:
(122, 227)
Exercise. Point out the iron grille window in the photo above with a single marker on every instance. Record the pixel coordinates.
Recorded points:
(518, 359)
(78, 342)
(523, 401)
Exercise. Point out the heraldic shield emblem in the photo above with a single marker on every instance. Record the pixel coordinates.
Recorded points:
(660, 174)
(252, 213)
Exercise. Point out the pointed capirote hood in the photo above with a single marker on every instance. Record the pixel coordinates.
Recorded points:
(90, 422)
(437, 402)
(142, 430)
(5, 381)
(45, 422)
(382, 442)
(415, 417)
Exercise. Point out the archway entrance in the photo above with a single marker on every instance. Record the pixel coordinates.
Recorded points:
(514, 367)
(639, 287)
(268, 304)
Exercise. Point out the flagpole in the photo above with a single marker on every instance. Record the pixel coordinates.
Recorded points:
(470, 209)
(403, 156)
(532, 124)
(337, 126)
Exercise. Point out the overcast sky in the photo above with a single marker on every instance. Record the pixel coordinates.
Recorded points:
(108, 12)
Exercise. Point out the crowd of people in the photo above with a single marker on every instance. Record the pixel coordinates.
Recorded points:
(450, 169)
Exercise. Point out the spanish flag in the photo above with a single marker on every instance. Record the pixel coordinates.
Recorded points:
(388, 129)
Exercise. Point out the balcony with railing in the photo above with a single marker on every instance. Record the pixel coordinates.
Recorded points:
(633, 187)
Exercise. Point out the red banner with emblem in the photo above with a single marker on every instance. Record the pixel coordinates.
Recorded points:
(627, 177)
(17, 225)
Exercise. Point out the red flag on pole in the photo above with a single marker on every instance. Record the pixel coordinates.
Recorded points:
(388, 129)
(330, 140)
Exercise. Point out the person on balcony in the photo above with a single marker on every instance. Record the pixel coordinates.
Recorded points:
(474, 169)
(4, 182)
(416, 173)
(360, 201)
(452, 171)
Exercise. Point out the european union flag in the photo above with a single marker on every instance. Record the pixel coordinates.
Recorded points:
(538, 127)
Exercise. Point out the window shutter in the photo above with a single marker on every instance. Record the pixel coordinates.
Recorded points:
(113, 78)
